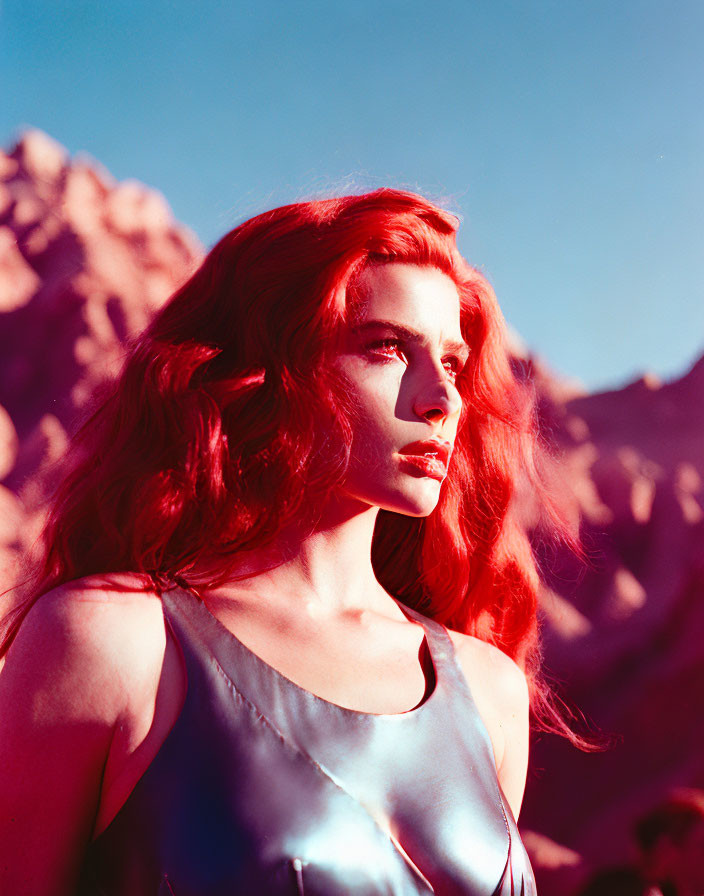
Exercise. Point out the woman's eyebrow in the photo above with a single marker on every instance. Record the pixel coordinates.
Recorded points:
(461, 348)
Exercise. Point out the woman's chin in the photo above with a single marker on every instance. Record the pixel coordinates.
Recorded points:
(413, 497)
(420, 499)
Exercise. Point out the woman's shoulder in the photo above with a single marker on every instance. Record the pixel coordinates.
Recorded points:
(486, 665)
(106, 587)
(102, 608)
(498, 685)
(105, 631)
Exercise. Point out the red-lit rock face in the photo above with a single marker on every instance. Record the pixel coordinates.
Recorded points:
(626, 633)
(85, 261)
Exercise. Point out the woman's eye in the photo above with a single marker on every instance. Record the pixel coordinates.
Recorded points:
(455, 365)
(384, 343)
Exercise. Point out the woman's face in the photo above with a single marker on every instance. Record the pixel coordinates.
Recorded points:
(401, 356)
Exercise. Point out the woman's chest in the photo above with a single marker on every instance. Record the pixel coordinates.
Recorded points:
(340, 670)
(289, 797)
(262, 786)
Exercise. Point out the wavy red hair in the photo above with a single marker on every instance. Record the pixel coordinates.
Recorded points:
(228, 422)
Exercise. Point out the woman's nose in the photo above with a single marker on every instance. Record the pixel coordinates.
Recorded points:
(438, 398)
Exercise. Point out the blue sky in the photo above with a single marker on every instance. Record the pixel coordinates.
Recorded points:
(568, 136)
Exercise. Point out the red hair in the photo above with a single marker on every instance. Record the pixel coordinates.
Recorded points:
(227, 423)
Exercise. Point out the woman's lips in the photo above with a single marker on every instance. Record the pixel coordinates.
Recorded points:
(437, 448)
(420, 465)
(429, 457)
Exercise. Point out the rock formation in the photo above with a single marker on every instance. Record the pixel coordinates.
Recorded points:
(623, 633)
(84, 262)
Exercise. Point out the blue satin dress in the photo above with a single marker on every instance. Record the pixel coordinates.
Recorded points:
(262, 788)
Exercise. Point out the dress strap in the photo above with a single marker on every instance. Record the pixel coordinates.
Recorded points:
(444, 653)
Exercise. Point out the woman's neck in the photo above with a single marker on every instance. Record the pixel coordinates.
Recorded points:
(327, 571)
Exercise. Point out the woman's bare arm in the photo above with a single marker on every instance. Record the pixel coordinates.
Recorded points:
(500, 691)
(62, 691)
(513, 698)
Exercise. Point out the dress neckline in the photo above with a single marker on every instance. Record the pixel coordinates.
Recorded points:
(226, 637)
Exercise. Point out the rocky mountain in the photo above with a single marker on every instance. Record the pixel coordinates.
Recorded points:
(85, 261)
(625, 632)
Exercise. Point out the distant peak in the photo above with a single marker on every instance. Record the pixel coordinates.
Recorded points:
(42, 157)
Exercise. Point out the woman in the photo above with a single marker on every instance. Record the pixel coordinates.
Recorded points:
(288, 609)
